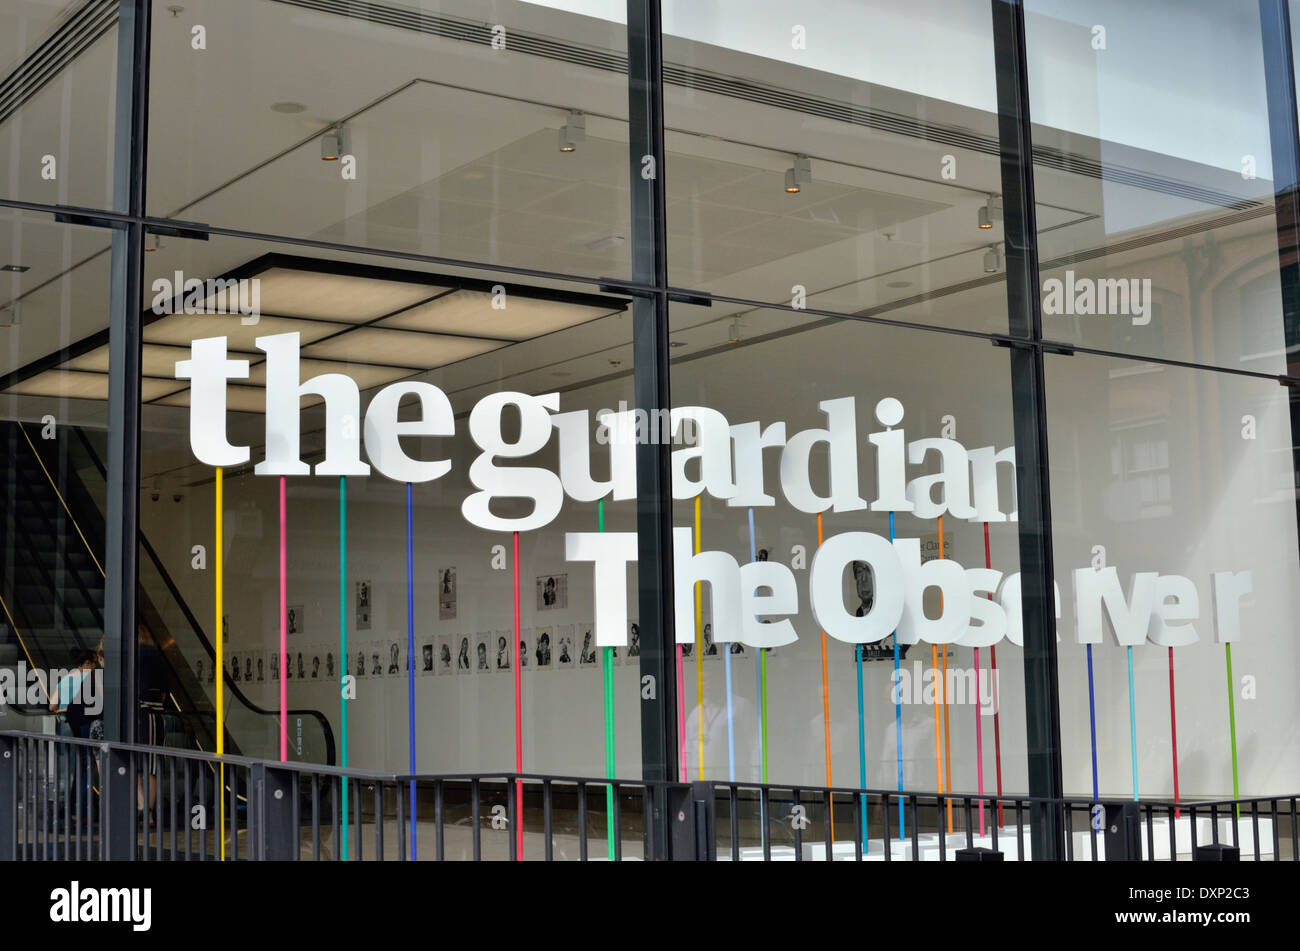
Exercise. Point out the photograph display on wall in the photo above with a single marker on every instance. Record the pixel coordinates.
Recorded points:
(445, 662)
(587, 654)
(363, 605)
(428, 656)
(566, 654)
(552, 592)
(501, 650)
(482, 651)
(543, 656)
(294, 620)
(446, 594)
(464, 653)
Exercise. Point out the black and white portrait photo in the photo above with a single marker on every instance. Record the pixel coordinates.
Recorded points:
(315, 665)
(565, 654)
(376, 667)
(446, 594)
(446, 655)
(464, 662)
(503, 649)
(363, 605)
(294, 619)
(552, 592)
(275, 667)
(543, 648)
(360, 670)
(525, 637)
(710, 648)
(394, 659)
(634, 640)
(587, 655)
(329, 665)
(426, 658)
(481, 653)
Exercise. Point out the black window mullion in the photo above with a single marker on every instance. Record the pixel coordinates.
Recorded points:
(1028, 389)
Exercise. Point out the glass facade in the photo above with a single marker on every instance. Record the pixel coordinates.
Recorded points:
(853, 394)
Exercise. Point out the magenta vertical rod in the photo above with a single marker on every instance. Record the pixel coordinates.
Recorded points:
(284, 630)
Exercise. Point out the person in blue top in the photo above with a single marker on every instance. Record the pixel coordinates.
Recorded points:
(68, 702)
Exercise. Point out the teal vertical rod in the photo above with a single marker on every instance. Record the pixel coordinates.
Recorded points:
(343, 657)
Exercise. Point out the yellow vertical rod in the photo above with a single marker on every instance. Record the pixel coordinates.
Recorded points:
(221, 670)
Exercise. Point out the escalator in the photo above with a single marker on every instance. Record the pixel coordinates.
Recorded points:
(52, 596)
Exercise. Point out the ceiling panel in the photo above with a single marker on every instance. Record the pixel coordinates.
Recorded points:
(183, 328)
(421, 351)
(470, 313)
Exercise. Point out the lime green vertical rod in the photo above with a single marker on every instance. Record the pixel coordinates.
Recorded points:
(1232, 723)
(608, 658)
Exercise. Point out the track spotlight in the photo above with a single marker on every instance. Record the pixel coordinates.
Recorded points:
(798, 176)
(990, 212)
(333, 144)
(572, 132)
(992, 260)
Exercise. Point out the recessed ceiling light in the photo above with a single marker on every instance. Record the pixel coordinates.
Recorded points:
(676, 343)
(898, 283)
(288, 108)
(16, 268)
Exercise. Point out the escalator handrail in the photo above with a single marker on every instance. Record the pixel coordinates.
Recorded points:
(198, 629)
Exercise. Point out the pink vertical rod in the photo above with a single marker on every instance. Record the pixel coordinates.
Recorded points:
(284, 631)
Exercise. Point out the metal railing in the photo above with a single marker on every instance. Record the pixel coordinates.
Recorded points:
(64, 798)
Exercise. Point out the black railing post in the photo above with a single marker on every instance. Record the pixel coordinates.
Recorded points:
(704, 802)
(117, 815)
(8, 799)
(1123, 833)
(683, 840)
(272, 831)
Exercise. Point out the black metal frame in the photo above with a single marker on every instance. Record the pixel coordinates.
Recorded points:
(651, 291)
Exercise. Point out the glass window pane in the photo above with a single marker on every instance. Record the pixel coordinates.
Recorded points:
(1173, 494)
(443, 128)
(872, 432)
(1151, 122)
(368, 329)
(840, 156)
(58, 82)
(53, 433)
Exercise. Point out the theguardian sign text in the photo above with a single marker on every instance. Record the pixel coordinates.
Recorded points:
(753, 602)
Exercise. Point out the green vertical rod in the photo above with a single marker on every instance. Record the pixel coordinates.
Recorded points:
(607, 655)
(1232, 724)
(343, 656)
(762, 654)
